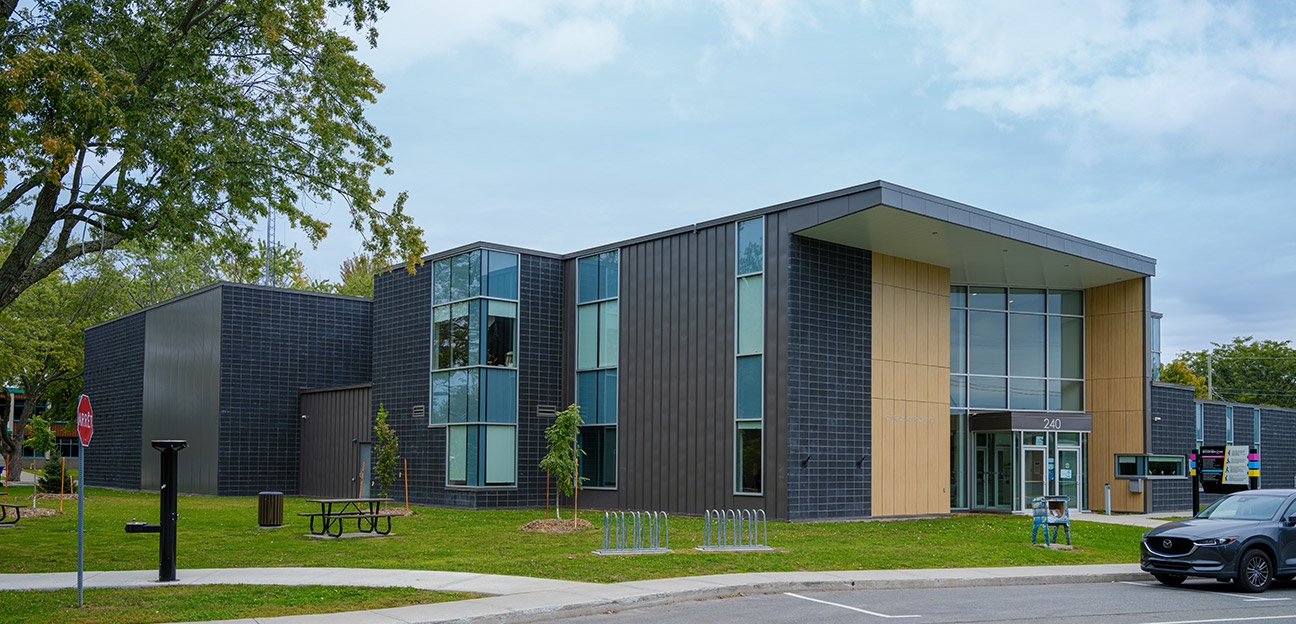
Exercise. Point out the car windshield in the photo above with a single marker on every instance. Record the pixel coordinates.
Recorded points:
(1242, 508)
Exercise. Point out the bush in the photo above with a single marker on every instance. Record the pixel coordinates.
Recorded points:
(52, 479)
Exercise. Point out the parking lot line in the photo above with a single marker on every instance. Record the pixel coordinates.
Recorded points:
(856, 609)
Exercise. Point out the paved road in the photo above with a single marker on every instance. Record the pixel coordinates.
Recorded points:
(1129, 602)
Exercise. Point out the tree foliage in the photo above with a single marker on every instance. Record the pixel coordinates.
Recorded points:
(386, 452)
(54, 477)
(1248, 370)
(183, 122)
(1177, 372)
(562, 461)
(42, 350)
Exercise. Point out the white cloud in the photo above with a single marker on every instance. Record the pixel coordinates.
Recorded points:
(1215, 79)
(560, 35)
(749, 20)
(572, 46)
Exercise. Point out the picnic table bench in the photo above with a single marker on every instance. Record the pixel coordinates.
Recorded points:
(334, 512)
(5, 513)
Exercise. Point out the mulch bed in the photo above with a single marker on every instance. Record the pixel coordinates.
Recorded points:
(553, 525)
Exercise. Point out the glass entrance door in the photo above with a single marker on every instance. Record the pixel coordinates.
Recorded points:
(1069, 480)
(994, 471)
(1034, 476)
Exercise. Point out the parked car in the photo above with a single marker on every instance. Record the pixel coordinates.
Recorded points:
(1246, 537)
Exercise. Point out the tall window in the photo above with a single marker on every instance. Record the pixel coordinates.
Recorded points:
(1011, 348)
(1156, 346)
(597, 349)
(749, 392)
(474, 366)
(1016, 348)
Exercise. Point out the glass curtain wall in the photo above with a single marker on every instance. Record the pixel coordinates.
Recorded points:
(1010, 349)
(597, 350)
(474, 366)
(749, 391)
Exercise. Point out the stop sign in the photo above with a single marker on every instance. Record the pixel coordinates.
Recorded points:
(85, 420)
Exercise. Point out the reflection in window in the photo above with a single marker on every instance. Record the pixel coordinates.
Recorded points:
(597, 350)
(474, 359)
(749, 342)
(1030, 357)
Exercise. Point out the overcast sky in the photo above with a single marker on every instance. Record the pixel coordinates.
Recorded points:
(1163, 128)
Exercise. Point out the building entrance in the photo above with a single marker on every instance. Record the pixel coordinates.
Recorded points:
(1046, 456)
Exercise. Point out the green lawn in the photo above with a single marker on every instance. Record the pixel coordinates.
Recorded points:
(196, 603)
(222, 533)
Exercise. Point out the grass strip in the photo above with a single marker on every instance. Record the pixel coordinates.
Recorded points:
(198, 603)
(222, 533)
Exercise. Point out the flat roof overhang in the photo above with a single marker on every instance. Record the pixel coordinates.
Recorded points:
(977, 246)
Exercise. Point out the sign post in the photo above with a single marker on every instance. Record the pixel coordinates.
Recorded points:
(85, 429)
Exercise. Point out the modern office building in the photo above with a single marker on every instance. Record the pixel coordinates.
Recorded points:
(870, 352)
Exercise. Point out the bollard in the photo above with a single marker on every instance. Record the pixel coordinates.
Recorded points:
(1107, 497)
(166, 528)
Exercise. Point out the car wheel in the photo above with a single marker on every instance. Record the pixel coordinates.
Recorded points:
(1255, 571)
(1173, 580)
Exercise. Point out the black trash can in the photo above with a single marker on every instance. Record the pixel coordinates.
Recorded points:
(270, 509)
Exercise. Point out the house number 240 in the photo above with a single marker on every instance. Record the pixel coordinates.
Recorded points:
(1053, 423)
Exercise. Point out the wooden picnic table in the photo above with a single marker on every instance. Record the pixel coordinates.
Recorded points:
(334, 512)
(10, 509)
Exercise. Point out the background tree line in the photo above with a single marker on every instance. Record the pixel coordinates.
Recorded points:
(1245, 370)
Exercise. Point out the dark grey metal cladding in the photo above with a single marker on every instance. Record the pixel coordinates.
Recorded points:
(335, 422)
(114, 381)
(829, 420)
(181, 399)
(675, 402)
(275, 342)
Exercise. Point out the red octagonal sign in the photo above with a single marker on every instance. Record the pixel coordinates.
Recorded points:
(85, 420)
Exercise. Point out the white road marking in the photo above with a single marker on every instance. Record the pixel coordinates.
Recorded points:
(856, 609)
(1244, 597)
(1233, 619)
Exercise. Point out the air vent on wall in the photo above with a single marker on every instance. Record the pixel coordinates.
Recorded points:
(546, 411)
(418, 411)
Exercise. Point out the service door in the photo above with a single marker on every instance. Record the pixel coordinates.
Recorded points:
(335, 428)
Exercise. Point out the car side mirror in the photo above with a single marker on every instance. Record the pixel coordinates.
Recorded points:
(1291, 520)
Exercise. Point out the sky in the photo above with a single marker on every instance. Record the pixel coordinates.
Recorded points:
(1167, 129)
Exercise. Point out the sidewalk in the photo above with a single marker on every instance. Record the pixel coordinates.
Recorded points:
(524, 599)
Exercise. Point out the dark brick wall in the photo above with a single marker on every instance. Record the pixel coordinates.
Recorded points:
(829, 377)
(1277, 447)
(274, 343)
(1175, 434)
(402, 342)
(114, 381)
(402, 368)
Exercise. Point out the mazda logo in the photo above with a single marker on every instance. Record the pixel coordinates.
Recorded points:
(1167, 543)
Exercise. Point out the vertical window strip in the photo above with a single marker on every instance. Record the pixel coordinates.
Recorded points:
(597, 350)
(749, 346)
(474, 360)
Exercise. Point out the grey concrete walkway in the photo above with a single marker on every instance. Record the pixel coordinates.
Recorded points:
(523, 599)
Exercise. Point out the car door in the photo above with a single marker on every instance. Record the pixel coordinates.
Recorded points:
(1287, 539)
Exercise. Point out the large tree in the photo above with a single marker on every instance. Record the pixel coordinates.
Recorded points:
(41, 347)
(1248, 371)
(182, 121)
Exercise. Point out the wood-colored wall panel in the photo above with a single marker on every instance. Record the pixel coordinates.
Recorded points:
(1115, 385)
(910, 387)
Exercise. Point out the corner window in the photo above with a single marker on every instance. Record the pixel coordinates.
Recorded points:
(474, 365)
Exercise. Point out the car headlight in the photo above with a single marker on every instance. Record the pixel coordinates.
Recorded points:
(1215, 541)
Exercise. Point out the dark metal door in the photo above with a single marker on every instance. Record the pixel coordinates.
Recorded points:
(335, 424)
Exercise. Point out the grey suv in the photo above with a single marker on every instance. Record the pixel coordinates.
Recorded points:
(1246, 537)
